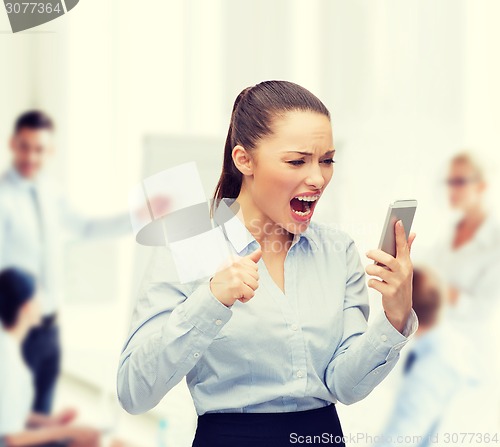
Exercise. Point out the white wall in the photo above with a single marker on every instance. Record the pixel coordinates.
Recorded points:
(408, 83)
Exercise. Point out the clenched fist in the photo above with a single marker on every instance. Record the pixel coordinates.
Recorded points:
(238, 281)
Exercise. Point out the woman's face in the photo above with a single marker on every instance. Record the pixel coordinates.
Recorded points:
(291, 168)
(464, 187)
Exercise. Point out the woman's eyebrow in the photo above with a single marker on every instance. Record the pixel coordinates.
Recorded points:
(309, 153)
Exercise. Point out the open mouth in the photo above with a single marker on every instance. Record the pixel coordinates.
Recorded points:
(303, 206)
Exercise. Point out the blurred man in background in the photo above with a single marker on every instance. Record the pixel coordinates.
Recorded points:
(435, 371)
(33, 217)
(19, 426)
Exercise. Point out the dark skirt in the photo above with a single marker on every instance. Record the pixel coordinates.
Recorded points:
(269, 429)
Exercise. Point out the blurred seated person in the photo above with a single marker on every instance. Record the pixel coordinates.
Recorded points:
(435, 371)
(19, 426)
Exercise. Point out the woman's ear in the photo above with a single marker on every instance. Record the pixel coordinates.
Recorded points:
(242, 160)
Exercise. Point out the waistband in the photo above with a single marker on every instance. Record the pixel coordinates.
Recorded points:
(288, 416)
(277, 429)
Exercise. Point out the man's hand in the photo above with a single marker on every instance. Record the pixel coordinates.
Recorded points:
(158, 205)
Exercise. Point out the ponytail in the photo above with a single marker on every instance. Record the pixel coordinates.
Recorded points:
(229, 183)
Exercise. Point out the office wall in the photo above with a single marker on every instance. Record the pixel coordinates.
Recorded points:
(407, 83)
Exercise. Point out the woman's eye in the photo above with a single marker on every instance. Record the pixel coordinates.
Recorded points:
(328, 161)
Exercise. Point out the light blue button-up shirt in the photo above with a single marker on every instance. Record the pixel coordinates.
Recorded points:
(34, 216)
(279, 352)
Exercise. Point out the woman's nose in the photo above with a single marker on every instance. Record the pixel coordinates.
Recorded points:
(315, 177)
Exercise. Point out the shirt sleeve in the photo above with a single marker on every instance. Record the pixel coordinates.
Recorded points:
(366, 354)
(173, 325)
(93, 228)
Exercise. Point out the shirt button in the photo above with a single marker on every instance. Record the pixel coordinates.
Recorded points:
(294, 327)
(300, 373)
(218, 322)
(383, 337)
(196, 354)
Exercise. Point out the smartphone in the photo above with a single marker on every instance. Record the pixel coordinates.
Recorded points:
(399, 209)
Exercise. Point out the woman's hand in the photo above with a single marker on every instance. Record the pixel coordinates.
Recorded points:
(238, 281)
(396, 278)
(37, 420)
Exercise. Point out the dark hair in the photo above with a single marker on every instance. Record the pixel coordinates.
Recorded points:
(251, 119)
(33, 119)
(428, 295)
(17, 286)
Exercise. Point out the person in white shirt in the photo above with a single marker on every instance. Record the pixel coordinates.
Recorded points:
(467, 257)
(19, 426)
(33, 218)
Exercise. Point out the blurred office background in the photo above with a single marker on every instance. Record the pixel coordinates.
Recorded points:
(408, 85)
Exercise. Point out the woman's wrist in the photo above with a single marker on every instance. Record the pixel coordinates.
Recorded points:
(399, 321)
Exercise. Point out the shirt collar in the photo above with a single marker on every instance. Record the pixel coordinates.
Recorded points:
(19, 180)
(239, 236)
(9, 340)
(483, 235)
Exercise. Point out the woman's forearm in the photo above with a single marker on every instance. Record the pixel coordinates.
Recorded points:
(367, 360)
(170, 344)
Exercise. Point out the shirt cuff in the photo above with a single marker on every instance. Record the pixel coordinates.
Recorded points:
(204, 311)
(411, 325)
(386, 339)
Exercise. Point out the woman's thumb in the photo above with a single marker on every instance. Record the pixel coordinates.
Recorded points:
(255, 255)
